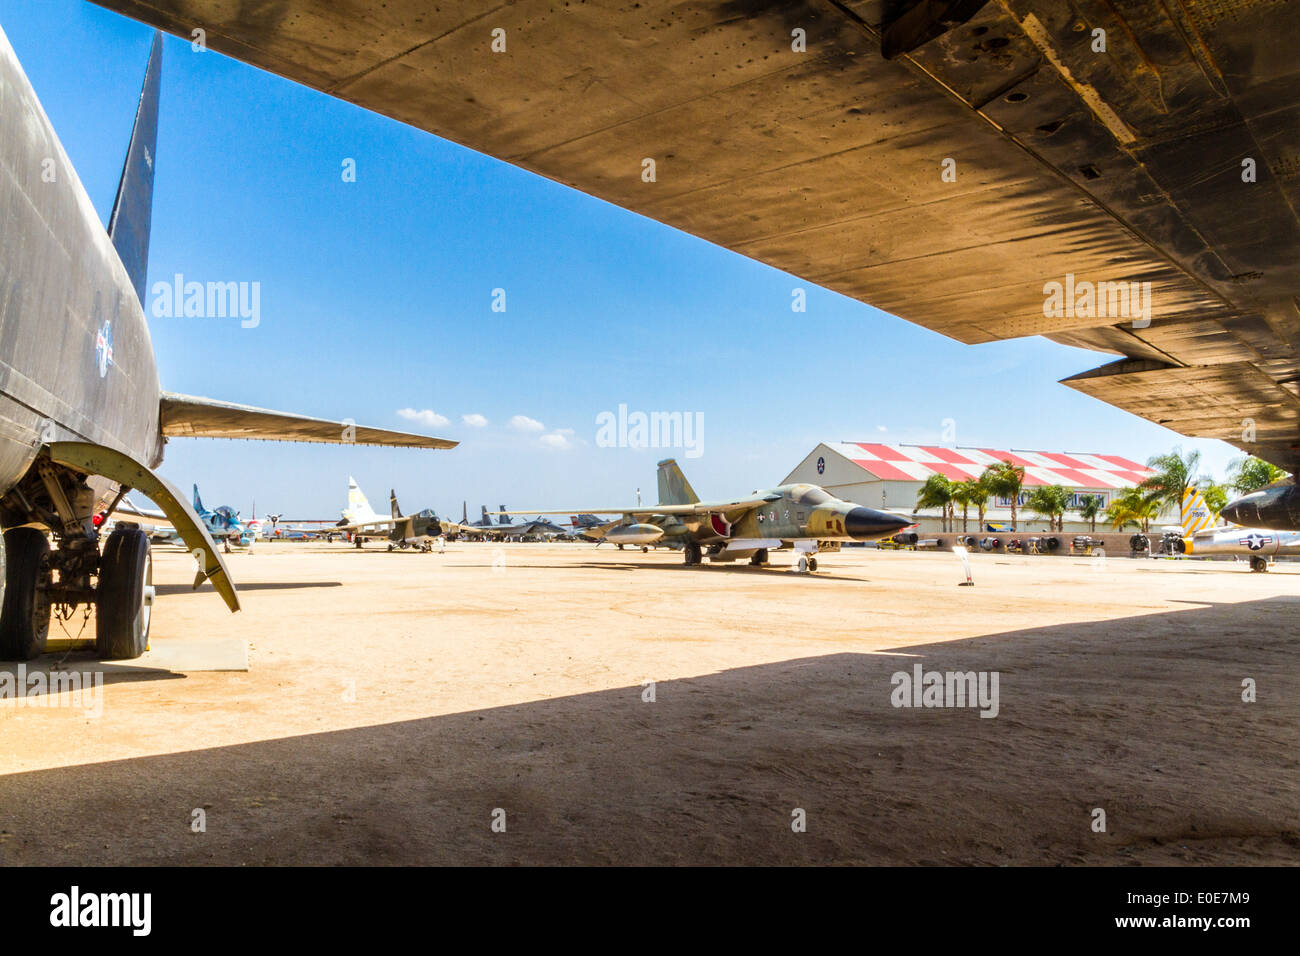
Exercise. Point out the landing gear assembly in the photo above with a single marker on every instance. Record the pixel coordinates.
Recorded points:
(38, 580)
(1258, 564)
(55, 499)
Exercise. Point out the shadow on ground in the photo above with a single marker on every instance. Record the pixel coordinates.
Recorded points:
(1141, 717)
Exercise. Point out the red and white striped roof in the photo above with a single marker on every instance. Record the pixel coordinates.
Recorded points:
(919, 462)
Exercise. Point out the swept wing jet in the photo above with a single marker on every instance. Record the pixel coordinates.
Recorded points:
(801, 517)
(82, 417)
(419, 530)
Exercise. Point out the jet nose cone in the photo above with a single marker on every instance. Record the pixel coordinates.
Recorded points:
(867, 524)
(1235, 512)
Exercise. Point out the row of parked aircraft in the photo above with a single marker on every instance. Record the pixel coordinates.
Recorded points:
(84, 420)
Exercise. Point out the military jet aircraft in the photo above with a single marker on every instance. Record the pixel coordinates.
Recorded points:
(802, 517)
(503, 530)
(1200, 537)
(419, 530)
(82, 417)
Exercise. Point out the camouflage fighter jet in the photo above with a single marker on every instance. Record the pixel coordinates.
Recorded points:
(802, 517)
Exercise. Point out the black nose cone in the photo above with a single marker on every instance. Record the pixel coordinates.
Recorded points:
(1236, 513)
(867, 524)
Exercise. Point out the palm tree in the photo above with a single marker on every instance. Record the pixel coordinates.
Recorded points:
(1005, 480)
(1250, 474)
(1040, 503)
(1050, 501)
(1174, 474)
(1215, 494)
(961, 495)
(936, 493)
(1089, 508)
(979, 497)
(1132, 506)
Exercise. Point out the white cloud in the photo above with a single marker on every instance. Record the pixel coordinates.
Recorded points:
(474, 420)
(560, 438)
(526, 424)
(425, 416)
(881, 428)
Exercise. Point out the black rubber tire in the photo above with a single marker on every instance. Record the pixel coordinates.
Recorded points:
(812, 564)
(122, 615)
(759, 558)
(1257, 564)
(25, 618)
(693, 552)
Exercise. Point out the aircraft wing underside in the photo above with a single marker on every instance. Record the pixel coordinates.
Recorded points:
(1037, 142)
(192, 417)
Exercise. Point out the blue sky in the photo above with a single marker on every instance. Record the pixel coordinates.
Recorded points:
(376, 296)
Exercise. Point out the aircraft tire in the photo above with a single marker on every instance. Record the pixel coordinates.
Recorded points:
(802, 564)
(693, 553)
(124, 599)
(812, 564)
(25, 618)
(759, 558)
(1258, 565)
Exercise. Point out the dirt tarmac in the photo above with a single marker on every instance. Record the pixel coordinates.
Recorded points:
(400, 708)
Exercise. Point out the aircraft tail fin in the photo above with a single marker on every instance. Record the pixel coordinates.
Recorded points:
(1195, 513)
(358, 506)
(504, 519)
(392, 503)
(129, 224)
(464, 512)
(198, 503)
(674, 489)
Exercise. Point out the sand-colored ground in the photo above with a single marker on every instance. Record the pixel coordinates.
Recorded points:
(394, 701)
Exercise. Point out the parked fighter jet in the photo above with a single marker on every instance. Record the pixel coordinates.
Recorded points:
(802, 517)
(503, 530)
(419, 530)
(82, 418)
(1200, 537)
(224, 525)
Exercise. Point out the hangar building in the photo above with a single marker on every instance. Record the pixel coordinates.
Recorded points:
(889, 476)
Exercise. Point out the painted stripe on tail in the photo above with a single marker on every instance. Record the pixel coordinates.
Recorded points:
(1196, 514)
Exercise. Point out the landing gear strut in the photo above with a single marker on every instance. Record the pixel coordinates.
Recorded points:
(805, 564)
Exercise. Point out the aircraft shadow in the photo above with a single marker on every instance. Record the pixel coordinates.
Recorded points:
(826, 574)
(167, 589)
(1141, 717)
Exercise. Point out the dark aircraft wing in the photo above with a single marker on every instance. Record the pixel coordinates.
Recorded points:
(943, 160)
(192, 417)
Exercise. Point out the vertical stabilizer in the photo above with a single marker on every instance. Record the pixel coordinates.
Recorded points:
(392, 503)
(198, 503)
(674, 489)
(358, 507)
(129, 224)
(1196, 514)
